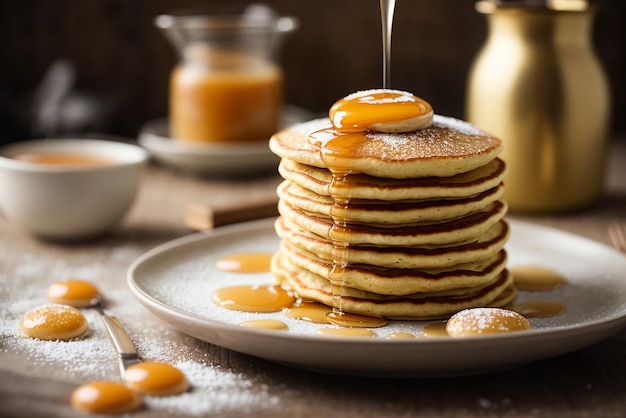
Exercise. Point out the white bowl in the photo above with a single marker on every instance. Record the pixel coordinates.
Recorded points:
(64, 202)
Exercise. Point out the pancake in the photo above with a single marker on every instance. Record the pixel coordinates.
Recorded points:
(446, 148)
(377, 212)
(437, 233)
(362, 186)
(395, 281)
(415, 257)
(314, 288)
(405, 225)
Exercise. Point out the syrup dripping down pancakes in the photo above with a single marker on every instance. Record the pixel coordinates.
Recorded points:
(389, 210)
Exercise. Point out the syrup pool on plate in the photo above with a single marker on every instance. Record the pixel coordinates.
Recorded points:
(255, 298)
(436, 329)
(536, 278)
(344, 319)
(267, 324)
(400, 336)
(346, 332)
(251, 298)
(310, 312)
(540, 308)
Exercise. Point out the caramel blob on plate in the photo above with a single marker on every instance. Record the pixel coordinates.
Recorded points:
(54, 322)
(480, 321)
(105, 397)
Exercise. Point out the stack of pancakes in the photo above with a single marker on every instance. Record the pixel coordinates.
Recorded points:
(421, 218)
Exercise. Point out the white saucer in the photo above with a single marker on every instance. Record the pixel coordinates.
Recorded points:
(214, 159)
(175, 282)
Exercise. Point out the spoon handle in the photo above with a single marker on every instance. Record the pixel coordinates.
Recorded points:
(124, 347)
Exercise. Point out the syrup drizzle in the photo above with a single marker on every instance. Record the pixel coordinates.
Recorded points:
(338, 147)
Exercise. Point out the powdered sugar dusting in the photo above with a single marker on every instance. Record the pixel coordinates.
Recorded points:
(215, 389)
(79, 359)
(458, 125)
(445, 138)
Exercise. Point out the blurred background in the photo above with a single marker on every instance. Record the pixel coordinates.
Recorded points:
(102, 66)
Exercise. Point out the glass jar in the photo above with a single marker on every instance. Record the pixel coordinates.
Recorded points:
(227, 86)
(538, 85)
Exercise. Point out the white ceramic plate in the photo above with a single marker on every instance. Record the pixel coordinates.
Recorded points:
(214, 159)
(175, 282)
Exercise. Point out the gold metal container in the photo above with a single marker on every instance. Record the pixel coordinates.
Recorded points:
(538, 85)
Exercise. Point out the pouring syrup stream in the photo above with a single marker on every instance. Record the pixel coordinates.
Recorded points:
(387, 8)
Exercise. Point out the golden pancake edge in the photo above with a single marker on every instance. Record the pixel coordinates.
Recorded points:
(446, 148)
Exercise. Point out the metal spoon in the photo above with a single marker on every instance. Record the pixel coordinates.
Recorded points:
(126, 352)
(83, 294)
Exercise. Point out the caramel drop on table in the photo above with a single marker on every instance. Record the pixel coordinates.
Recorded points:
(157, 379)
(535, 278)
(54, 322)
(245, 263)
(105, 398)
(74, 292)
(254, 298)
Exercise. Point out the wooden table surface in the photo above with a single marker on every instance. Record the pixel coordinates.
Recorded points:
(36, 379)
